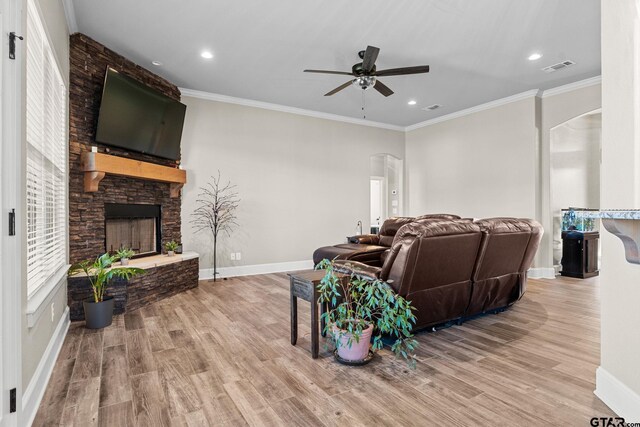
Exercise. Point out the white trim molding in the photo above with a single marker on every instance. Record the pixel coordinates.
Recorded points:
(40, 300)
(541, 273)
(35, 390)
(335, 117)
(572, 86)
(251, 270)
(70, 14)
(617, 396)
(285, 109)
(476, 109)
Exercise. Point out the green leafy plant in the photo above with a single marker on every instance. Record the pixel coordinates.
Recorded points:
(100, 273)
(355, 302)
(171, 246)
(125, 253)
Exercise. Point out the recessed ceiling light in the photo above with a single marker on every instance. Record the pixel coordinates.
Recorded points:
(206, 54)
(535, 56)
(156, 63)
(412, 102)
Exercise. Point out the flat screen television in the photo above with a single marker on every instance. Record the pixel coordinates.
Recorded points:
(135, 117)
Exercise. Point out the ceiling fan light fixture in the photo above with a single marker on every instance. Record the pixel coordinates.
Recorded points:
(412, 102)
(364, 82)
(534, 56)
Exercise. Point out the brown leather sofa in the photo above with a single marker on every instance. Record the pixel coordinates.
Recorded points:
(367, 248)
(500, 275)
(453, 269)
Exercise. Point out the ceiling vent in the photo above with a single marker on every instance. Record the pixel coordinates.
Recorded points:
(559, 66)
(432, 107)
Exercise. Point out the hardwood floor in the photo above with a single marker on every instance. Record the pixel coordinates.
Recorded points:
(220, 355)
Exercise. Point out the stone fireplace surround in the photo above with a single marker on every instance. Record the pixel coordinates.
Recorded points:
(88, 63)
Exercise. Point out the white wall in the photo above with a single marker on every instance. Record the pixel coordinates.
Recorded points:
(575, 170)
(479, 165)
(303, 181)
(618, 378)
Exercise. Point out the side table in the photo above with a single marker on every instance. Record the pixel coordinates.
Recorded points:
(305, 285)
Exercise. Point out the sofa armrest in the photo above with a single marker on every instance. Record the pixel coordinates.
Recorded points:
(359, 269)
(365, 239)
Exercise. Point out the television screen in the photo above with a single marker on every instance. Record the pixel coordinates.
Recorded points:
(138, 118)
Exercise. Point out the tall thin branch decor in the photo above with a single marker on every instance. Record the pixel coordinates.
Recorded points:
(215, 212)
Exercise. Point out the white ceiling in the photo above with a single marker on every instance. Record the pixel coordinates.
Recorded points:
(477, 49)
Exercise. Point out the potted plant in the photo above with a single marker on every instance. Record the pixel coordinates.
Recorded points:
(359, 308)
(125, 254)
(171, 247)
(98, 311)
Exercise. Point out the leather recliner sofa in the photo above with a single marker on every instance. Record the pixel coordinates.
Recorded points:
(453, 269)
(370, 248)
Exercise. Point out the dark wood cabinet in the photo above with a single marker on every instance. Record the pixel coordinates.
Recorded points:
(580, 254)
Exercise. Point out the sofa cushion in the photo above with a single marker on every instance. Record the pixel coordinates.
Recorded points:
(438, 216)
(390, 227)
(357, 268)
(368, 254)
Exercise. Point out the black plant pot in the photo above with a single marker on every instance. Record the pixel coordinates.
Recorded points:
(98, 315)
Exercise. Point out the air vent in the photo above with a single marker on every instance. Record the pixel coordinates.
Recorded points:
(432, 107)
(559, 66)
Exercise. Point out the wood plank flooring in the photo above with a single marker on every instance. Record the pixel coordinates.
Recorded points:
(220, 355)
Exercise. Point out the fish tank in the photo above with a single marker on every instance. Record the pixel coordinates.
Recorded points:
(580, 219)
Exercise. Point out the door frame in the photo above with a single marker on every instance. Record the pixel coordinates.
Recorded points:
(383, 199)
(11, 164)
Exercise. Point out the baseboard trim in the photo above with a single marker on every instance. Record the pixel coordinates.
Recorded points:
(542, 273)
(34, 392)
(250, 270)
(617, 396)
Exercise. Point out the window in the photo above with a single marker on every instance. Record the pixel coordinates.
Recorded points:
(46, 171)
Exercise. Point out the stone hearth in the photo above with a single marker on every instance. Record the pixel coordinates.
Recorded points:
(165, 276)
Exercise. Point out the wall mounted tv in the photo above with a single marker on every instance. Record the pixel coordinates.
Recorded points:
(135, 117)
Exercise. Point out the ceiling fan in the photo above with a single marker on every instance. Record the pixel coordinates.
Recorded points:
(366, 75)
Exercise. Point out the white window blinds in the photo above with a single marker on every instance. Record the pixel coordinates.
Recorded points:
(46, 171)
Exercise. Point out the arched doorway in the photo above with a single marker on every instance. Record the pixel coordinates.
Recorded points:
(574, 170)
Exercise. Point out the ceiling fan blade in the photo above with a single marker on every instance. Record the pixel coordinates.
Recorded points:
(370, 56)
(402, 71)
(382, 88)
(342, 73)
(339, 88)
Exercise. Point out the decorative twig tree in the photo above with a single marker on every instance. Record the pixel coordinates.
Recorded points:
(215, 211)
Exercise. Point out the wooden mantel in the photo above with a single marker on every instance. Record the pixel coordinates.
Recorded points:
(96, 165)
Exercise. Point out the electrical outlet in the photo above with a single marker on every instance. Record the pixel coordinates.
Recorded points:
(53, 311)
(238, 256)
(233, 256)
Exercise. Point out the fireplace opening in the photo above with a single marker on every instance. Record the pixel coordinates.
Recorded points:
(133, 226)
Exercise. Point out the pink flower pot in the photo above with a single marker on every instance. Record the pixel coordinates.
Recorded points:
(358, 350)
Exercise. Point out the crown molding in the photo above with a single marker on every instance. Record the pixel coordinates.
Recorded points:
(70, 14)
(572, 86)
(486, 106)
(285, 109)
(335, 117)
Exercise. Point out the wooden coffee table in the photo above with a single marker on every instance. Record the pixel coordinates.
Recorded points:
(305, 285)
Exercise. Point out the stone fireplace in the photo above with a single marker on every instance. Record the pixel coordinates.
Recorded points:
(88, 211)
(124, 211)
(133, 226)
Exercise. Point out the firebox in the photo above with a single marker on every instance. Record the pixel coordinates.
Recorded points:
(133, 226)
